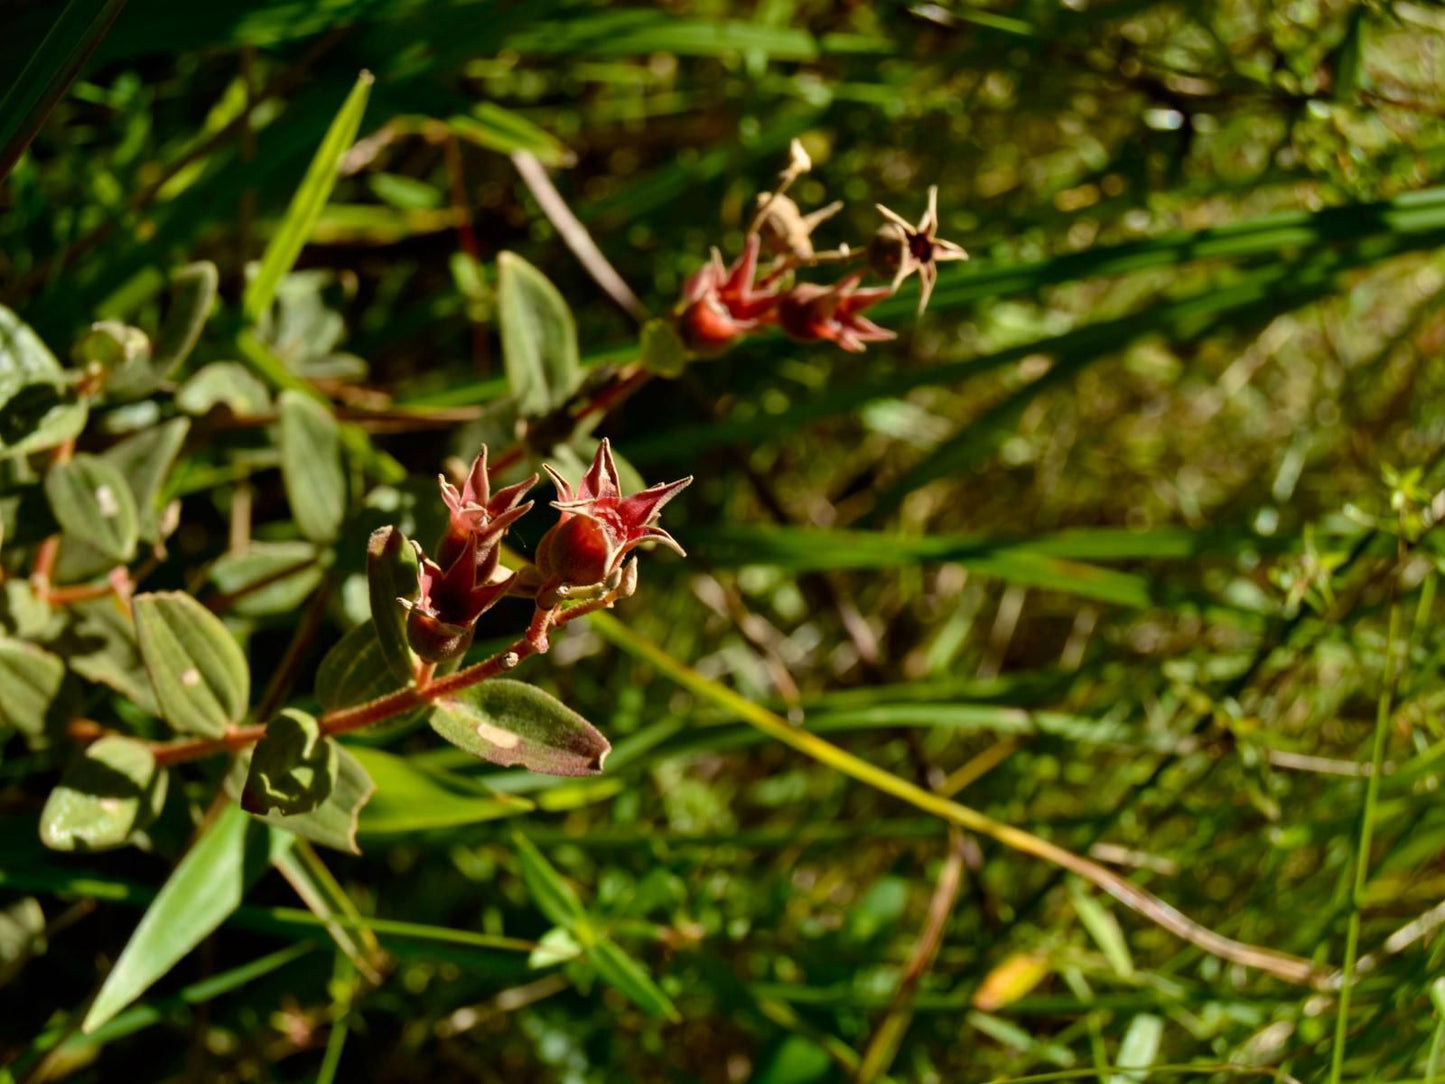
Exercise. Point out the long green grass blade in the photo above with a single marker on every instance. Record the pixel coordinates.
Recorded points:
(35, 83)
(306, 206)
(204, 889)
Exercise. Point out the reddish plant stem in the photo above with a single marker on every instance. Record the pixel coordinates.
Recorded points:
(345, 720)
(627, 380)
(80, 592)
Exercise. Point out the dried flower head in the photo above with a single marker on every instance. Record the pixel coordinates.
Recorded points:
(810, 312)
(442, 620)
(466, 579)
(724, 302)
(475, 514)
(899, 249)
(786, 230)
(599, 528)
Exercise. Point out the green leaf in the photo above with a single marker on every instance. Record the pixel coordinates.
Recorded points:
(224, 383)
(410, 800)
(109, 793)
(31, 680)
(334, 822)
(1349, 58)
(391, 575)
(38, 408)
(629, 32)
(1104, 928)
(621, 971)
(145, 461)
(1139, 1048)
(557, 899)
(355, 670)
(539, 337)
(512, 723)
(268, 577)
(100, 645)
(22, 936)
(801, 549)
(311, 466)
(201, 892)
(193, 295)
(554, 947)
(301, 216)
(197, 670)
(498, 129)
(661, 349)
(93, 504)
(553, 896)
(29, 92)
(114, 347)
(293, 768)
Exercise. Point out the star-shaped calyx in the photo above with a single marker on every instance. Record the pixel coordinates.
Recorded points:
(599, 527)
(811, 313)
(476, 515)
(900, 248)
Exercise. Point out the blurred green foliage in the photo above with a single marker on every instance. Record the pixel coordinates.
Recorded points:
(1128, 541)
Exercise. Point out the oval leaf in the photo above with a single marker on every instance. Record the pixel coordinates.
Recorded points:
(268, 577)
(391, 575)
(38, 410)
(539, 337)
(333, 823)
(355, 670)
(224, 383)
(193, 294)
(293, 768)
(99, 644)
(509, 723)
(197, 670)
(311, 466)
(145, 461)
(93, 504)
(112, 791)
(31, 681)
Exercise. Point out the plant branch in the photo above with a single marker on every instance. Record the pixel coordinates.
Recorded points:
(360, 716)
(1282, 965)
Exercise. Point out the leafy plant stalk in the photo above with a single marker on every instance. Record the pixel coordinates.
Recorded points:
(346, 720)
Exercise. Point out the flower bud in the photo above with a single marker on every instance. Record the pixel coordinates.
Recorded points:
(812, 313)
(707, 328)
(578, 550)
(433, 639)
(581, 557)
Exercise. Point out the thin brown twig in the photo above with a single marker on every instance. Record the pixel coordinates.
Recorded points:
(575, 236)
(884, 1045)
(285, 673)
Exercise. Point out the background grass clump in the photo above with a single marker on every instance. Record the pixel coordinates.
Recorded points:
(1108, 588)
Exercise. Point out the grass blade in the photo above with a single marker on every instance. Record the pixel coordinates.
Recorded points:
(35, 88)
(306, 205)
(200, 894)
